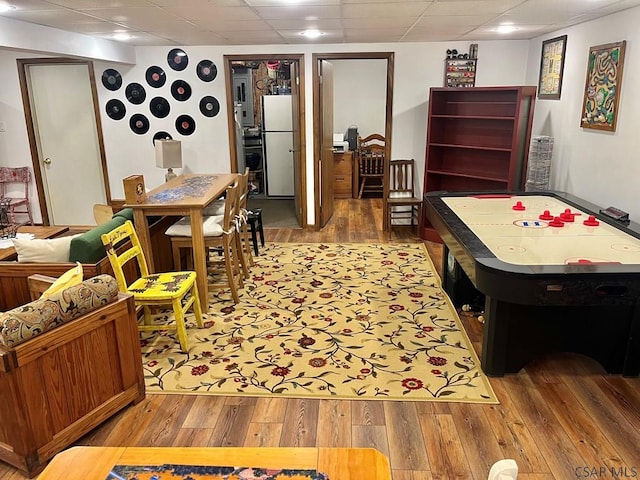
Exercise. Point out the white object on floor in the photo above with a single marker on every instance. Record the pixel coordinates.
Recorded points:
(506, 469)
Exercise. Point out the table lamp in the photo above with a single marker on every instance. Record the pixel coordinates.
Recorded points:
(169, 156)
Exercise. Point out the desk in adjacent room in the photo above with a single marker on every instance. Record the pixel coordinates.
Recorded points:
(573, 287)
(81, 463)
(185, 195)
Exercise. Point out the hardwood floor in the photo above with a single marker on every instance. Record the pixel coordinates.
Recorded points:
(560, 418)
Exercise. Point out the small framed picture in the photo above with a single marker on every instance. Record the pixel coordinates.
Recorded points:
(551, 68)
(603, 86)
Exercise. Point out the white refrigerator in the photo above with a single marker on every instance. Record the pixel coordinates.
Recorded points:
(277, 144)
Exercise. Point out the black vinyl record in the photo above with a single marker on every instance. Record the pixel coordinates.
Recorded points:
(155, 76)
(111, 79)
(185, 125)
(177, 59)
(181, 90)
(206, 70)
(135, 93)
(209, 106)
(116, 109)
(159, 107)
(139, 124)
(161, 135)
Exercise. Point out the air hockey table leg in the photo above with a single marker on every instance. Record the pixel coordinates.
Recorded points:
(494, 338)
(632, 358)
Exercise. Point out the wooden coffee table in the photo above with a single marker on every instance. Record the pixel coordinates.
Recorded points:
(94, 463)
(38, 232)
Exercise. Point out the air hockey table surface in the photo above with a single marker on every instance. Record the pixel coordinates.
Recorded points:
(550, 282)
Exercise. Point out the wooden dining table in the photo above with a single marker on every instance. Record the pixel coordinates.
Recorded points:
(185, 195)
(95, 463)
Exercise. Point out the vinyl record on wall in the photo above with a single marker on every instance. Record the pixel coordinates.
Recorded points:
(116, 109)
(155, 76)
(139, 124)
(181, 90)
(135, 93)
(185, 125)
(206, 70)
(177, 59)
(209, 106)
(161, 135)
(159, 107)
(111, 79)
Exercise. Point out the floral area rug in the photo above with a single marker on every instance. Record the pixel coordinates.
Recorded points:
(340, 321)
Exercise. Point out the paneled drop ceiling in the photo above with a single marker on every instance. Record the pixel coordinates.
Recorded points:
(255, 22)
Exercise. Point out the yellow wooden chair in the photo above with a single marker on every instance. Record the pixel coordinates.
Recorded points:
(177, 289)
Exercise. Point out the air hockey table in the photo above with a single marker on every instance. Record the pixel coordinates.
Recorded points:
(555, 274)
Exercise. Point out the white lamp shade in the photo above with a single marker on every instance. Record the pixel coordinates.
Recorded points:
(169, 153)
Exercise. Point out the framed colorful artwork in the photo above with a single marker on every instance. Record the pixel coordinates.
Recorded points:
(602, 87)
(551, 68)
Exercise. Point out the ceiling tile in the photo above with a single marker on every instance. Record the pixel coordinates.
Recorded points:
(452, 21)
(302, 24)
(310, 12)
(370, 23)
(476, 7)
(384, 10)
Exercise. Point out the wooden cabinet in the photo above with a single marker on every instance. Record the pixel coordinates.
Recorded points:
(460, 72)
(477, 140)
(342, 174)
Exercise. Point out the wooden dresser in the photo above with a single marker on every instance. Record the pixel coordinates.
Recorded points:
(343, 175)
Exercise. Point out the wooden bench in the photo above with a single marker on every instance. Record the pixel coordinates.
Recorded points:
(58, 385)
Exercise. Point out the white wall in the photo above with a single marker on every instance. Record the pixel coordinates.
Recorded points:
(601, 167)
(359, 95)
(418, 66)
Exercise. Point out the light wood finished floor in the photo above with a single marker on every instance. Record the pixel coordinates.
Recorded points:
(561, 418)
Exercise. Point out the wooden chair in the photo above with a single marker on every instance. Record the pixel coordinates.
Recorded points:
(402, 202)
(221, 238)
(178, 289)
(246, 259)
(20, 175)
(102, 213)
(371, 150)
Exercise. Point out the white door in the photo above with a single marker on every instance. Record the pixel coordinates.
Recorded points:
(65, 128)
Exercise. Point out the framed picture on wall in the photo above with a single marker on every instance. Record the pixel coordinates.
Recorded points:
(551, 68)
(602, 86)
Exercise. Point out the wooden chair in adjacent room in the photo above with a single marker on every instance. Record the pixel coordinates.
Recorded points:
(177, 289)
(17, 204)
(221, 239)
(371, 157)
(402, 204)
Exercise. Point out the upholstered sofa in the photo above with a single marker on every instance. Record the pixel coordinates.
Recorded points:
(85, 248)
(67, 363)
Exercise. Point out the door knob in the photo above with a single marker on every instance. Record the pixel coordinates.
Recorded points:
(292, 150)
(47, 161)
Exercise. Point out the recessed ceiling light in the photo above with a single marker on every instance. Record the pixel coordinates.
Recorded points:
(312, 33)
(5, 7)
(121, 36)
(506, 28)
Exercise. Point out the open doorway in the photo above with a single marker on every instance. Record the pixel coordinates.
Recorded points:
(265, 95)
(323, 115)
